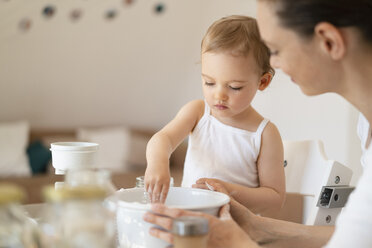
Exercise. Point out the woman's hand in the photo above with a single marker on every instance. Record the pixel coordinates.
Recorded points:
(242, 216)
(157, 180)
(223, 231)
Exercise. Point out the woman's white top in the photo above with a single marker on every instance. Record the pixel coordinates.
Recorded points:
(217, 150)
(354, 224)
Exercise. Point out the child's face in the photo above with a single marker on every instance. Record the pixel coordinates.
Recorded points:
(229, 83)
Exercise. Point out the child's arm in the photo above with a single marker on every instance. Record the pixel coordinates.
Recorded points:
(161, 146)
(270, 194)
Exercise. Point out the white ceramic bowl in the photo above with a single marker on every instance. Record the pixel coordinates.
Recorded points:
(133, 231)
(73, 155)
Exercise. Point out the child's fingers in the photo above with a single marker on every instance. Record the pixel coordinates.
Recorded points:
(210, 187)
(149, 189)
(201, 180)
(155, 196)
(217, 187)
(199, 186)
(149, 186)
(164, 193)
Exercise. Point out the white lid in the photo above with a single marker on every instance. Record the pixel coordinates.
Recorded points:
(74, 146)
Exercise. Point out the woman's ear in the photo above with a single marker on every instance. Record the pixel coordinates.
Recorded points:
(331, 40)
(265, 81)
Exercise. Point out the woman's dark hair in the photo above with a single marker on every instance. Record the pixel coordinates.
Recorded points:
(303, 15)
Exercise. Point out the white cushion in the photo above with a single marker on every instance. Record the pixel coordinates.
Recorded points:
(13, 145)
(113, 145)
(119, 150)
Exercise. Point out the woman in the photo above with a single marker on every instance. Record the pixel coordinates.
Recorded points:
(325, 46)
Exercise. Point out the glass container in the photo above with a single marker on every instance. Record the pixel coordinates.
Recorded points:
(91, 177)
(16, 230)
(75, 217)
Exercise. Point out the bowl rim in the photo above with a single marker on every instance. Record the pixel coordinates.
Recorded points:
(147, 206)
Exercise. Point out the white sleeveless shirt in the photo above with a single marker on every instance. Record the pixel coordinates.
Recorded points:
(216, 150)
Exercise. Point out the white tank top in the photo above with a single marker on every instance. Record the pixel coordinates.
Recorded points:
(216, 150)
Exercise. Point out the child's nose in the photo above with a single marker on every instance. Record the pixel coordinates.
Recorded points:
(220, 94)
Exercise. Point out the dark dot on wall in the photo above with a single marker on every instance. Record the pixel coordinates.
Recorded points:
(128, 2)
(75, 14)
(25, 24)
(111, 14)
(159, 8)
(49, 11)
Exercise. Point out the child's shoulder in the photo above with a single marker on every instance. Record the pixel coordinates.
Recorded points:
(270, 131)
(194, 107)
(197, 103)
(262, 123)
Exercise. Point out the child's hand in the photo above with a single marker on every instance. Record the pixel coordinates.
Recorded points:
(237, 210)
(206, 183)
(157, 183)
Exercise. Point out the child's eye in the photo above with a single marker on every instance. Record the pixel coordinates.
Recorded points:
(235, 88)
(208, 84)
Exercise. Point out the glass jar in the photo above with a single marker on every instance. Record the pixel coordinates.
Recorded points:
(75, 217)
(16, 230)
(93, 177)
(140, 183)
(190, 231)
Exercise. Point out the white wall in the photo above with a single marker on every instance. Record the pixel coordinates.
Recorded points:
(95, 72)
(138, 70)
(327, 117)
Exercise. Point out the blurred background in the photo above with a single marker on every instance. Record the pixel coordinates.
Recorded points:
(70, 64)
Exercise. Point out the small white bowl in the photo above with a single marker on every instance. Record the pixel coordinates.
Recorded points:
(133, 231)
(73, 155)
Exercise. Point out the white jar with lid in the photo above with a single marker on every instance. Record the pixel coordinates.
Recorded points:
(73, 155)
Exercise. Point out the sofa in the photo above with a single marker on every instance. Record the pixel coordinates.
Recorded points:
(41, 172)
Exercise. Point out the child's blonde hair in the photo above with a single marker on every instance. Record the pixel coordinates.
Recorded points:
(240, 35)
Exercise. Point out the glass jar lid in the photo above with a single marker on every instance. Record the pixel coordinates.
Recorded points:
(67, 193)
(11, 193)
